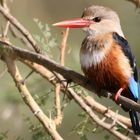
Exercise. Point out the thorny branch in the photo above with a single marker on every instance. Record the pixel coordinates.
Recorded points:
(18, 52)
(66, 72)
(47, 123)
(107, 111)
(33, 60)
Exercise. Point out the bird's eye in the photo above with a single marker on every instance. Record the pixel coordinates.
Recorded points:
(97, 19)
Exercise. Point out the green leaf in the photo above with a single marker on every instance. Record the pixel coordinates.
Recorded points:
(45, 39)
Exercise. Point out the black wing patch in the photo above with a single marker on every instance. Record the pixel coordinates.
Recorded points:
(127, 51)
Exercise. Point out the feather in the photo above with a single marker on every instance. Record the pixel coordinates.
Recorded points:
(135, 122)
(133, 81)
(134, 88)
(127, 52)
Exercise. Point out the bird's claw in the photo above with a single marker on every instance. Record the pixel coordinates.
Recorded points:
(118, 94)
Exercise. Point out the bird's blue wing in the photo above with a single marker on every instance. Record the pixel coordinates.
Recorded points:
(134, 87)
(133, 84)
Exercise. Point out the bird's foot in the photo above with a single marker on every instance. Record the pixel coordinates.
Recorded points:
(118, 94)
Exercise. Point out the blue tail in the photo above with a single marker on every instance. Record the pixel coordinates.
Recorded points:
(134, 89)
(133, 94)
(135, 122)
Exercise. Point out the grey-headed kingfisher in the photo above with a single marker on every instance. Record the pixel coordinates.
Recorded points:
(106, 57)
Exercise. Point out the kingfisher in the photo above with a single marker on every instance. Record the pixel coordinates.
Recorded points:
(106, 57)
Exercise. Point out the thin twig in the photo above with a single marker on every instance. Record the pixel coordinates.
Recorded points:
(21, 28)
(4, 4)
(63, 46)
(59, 115)
(6, 29)
(47, 123)
(5, 32)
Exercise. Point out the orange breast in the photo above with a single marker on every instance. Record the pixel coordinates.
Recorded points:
(112, 72)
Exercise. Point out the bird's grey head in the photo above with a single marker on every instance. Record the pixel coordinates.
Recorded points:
(104, 20)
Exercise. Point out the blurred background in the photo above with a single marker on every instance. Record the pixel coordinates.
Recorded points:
(16, 120)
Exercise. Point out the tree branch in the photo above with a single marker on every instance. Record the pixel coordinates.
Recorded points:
(63, 46)
(95, 118)
(106, 111)
(21, 28)
(67, 73)
(88, 100)
(59, 115)
(37, 111)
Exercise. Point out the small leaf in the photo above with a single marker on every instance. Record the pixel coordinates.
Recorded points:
(45, 39)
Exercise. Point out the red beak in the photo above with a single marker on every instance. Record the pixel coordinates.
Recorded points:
(75, 23)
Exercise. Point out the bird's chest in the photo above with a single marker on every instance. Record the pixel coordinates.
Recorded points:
(90, 57)
(107, 68)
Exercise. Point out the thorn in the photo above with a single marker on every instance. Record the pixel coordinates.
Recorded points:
(51, 78)
(36, 112)
(24, 80)
(115, 120)
(103, 119)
